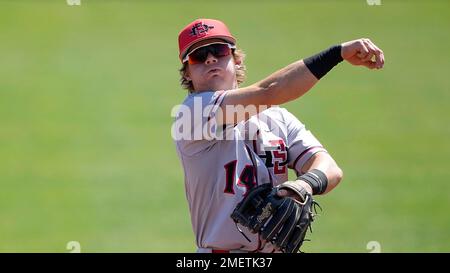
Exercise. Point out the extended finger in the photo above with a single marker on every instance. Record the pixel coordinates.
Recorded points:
(381, 57)
(378, 53)
(381, 60)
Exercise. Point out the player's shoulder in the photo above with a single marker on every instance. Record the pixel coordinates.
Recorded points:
(276, 110)
(278, 113)
(201, 98)
(283, 117)
(197, 102)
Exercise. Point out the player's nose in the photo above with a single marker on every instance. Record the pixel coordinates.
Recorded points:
(210, 59)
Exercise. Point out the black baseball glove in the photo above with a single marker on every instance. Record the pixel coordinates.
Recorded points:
(283, 221)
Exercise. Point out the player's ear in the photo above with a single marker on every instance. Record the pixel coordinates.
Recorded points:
(186, 74)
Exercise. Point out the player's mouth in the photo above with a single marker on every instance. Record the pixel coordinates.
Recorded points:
(213, 71)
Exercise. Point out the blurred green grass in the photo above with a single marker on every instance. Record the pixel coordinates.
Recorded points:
(86, 94)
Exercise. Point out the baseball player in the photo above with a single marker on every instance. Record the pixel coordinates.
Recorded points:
(231, 139)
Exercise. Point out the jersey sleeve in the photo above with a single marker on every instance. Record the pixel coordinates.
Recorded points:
(195, 127)
(301, 142)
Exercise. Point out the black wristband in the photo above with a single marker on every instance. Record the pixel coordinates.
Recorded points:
(316, 179)
(321, 63)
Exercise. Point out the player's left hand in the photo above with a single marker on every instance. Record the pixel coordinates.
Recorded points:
(281, 221)
(292, 194)
(363, 52)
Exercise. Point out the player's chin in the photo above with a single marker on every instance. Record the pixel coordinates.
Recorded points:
(215, 80)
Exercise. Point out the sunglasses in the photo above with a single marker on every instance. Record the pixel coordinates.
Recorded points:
(200, 54)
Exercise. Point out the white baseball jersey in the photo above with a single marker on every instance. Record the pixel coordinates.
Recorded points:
(219, 172)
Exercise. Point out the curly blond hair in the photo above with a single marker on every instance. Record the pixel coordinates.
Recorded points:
(238, 55)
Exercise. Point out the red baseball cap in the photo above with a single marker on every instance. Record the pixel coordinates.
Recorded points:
(202, 29)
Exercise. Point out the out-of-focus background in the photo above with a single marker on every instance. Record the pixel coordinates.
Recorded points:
(86, 94)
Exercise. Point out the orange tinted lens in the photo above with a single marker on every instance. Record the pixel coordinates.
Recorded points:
(217, 50)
